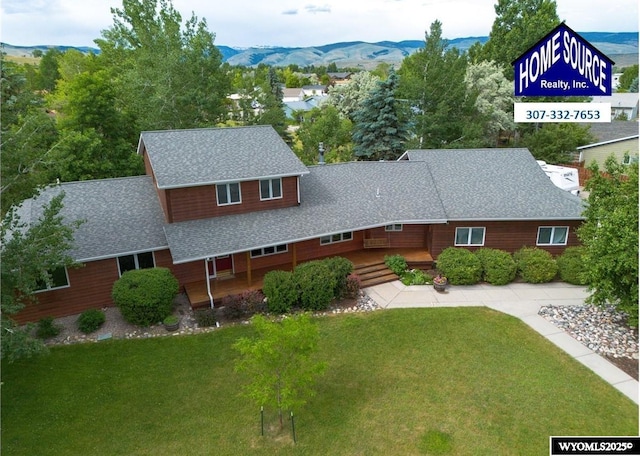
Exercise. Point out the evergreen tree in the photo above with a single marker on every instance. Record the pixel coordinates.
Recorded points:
(432, 82)
(380, 132)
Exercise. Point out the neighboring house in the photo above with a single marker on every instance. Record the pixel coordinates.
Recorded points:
(224, 201)
(293, 107)
(622, 105)
(615, 138)
(340, 78)
(292, 94)
(314, 90)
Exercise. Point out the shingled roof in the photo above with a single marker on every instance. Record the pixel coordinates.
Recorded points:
(120, 216)
(495, 184)
(334, 198)
(187, 158)
(424, 187)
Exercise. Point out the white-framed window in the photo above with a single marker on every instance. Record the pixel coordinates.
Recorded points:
(394, 227)
(470, 235)
(552, 235)
(228, 193)
(628, 159)
(59, 279)
(141, 260)
(271, 250)
(338, 237)
(270, 189)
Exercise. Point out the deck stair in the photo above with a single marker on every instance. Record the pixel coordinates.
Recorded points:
(374, 274)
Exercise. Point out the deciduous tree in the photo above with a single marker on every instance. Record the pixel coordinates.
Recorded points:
(279, 362)
(610, 237)
(31, 252)
(170, 74)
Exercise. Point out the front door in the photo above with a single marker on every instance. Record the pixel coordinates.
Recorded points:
(224, 265)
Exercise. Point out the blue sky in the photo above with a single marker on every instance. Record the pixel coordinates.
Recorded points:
(291, 23)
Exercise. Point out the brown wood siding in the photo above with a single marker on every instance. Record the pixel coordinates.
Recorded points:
(193, 203)
(161, 193)
(410, 236)
(90, 288)
(509, 236)
(312, 249)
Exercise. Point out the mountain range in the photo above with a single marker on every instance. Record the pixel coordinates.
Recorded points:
(621, 47)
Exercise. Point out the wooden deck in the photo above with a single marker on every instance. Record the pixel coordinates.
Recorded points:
(236, 284)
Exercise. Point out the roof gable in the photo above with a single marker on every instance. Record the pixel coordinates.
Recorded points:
(185, 158)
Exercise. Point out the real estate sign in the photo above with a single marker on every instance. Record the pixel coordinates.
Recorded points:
(562, 64)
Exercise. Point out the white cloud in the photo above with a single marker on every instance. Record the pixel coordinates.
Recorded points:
(288, 23)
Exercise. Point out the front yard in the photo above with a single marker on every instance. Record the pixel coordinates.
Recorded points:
(397, 382)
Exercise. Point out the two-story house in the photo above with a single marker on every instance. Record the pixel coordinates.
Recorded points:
(236, 202)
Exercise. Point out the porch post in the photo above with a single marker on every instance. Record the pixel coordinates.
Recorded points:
(248, 268)
(294, 258)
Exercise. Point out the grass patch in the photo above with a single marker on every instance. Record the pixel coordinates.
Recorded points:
(464, 380)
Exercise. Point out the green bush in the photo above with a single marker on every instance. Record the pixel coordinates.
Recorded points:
(206, 317)
(90, 320)
(460, 266)
(535, 265)
(145, 296)
(341, 268)
(414, 277)
(47, 328)
(498, 266)
(316, 284)
(396, 263)
(280, 290)
(571, 266)
(353, 285)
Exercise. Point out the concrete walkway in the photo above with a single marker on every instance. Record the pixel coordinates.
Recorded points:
(519, 300)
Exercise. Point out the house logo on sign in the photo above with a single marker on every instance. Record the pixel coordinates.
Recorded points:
(562, 64)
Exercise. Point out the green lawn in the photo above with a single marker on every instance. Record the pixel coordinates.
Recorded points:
(412, 381)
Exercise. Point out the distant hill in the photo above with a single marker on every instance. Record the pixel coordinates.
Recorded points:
(359, 54)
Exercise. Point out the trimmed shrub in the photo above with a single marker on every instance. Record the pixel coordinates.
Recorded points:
(498, 266)
(232, 308)
(535, 265)
(341, 268)
(460, 266)
(90, 320)
(280, 290)
(206, 317)
(145, 296)
(316, 284)
(353, 285)
(396, 263)
(253, 301)
(47, 328)
(571, 266)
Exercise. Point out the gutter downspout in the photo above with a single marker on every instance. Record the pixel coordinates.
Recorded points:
(206, 275)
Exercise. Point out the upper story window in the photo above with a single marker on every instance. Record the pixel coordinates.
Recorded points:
(136, 261)
(228, 193)
(59, 279)
(338, 237)
(270, 189)
(394, 227)
(552, 235)
(470, 236)
(272, 250)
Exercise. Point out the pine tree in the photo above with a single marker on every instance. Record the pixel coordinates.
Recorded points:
(379, 131)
